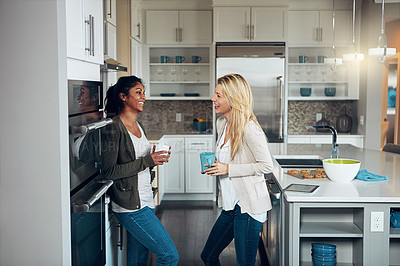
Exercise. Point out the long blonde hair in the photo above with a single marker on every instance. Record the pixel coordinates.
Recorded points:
(238, 94)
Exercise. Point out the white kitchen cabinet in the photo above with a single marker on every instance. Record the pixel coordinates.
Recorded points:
(136, 21)
(195, 182)
(110, 41)
(318, 76)
(110, 11)
(314, 28)
(178, 27)
(172, 174)
(136, 60)
(232, 24)
(85, 30)
(179, 81)
(181, 177)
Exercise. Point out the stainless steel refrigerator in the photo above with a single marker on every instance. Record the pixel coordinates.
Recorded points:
(263, 66)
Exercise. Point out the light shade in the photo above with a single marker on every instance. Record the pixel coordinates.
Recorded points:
(356, 57)
(379, 51)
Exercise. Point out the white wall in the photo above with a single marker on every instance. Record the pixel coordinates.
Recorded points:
(34, 167)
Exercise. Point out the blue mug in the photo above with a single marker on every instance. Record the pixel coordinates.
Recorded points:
(303, 59)
(321, 58)
(165, 59)
(179, 59)
(206, 158)
(196, 59)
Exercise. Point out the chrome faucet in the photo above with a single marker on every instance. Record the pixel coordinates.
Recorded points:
(335, 146)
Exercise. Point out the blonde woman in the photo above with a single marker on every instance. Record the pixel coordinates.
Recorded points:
(242, 159)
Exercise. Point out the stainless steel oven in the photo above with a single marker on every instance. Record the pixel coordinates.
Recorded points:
(87, 188)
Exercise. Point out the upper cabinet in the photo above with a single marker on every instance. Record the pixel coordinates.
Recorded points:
(236, 24)
(314, 28)
(136, 21)
(110, 11)
(85, 30)
(178, 27)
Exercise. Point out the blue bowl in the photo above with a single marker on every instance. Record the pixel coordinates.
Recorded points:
(323, 263)
(323, 251)
(395, 219)
(305, 91)
(323, 245)
(323, 258)
(330, 91)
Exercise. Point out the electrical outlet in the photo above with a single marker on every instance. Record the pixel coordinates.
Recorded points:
(376, 221)
(361, 120)
(178, 117)
(318, 117)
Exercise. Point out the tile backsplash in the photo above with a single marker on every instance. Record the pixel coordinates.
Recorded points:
(302, 113)
(159, 117)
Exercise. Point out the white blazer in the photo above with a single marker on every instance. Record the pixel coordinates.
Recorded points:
(247, 169)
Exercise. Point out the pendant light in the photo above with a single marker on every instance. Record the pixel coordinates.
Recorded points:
(333, 60)
(382, 52)
(353, 57)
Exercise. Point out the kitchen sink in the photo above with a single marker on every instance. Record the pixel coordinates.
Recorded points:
(299, 161)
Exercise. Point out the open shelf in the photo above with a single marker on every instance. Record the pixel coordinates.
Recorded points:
(329, 229)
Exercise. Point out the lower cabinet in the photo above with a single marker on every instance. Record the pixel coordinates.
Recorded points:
(116, 241)
(181, 177)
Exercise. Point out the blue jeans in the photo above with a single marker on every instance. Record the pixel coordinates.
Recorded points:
(145, 232)
(229, 225)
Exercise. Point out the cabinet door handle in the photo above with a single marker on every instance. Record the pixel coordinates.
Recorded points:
(138, 26)
(248, 32)
(88, 22)
(281, 104)
(177, 34)
(109, 14)
(316, 34)
(320, 34)
(252, 32)
(121, 235)
(92, 33)
(180, 34)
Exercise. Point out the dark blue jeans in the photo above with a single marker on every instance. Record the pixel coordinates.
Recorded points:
(233, 224)
(145, 232)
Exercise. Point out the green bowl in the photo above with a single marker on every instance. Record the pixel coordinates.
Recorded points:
(341, 170)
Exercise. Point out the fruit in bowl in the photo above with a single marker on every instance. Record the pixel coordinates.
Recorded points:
(341, 170)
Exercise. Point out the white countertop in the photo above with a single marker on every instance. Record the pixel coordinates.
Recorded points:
(382, 163)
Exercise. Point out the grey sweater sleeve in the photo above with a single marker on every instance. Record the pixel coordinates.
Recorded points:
(118, 162)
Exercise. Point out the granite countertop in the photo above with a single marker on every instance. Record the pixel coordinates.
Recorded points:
(377, 162)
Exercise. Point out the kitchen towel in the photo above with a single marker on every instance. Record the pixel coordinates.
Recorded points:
(367, 176)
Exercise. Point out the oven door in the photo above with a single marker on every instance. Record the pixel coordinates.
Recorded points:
(85, 148)
(88, 224)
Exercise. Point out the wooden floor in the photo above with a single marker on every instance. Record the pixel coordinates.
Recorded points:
(189, 223)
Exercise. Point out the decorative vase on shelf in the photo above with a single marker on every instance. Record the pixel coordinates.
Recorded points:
(323, 122)
(344, 123)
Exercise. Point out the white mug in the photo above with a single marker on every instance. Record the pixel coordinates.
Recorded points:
(161, 147)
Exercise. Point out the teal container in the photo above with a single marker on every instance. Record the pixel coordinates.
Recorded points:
(305, 91)
(331, 91)
(206, 158)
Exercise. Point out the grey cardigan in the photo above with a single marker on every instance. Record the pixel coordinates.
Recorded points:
(119, 164)
(247, 169)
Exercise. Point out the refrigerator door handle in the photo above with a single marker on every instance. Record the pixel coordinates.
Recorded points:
(281, 104)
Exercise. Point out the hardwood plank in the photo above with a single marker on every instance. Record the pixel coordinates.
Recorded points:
(189, 223)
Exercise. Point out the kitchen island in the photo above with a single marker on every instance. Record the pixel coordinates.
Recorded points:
(337, 213)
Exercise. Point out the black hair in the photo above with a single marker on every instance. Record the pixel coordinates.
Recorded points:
(114, 104)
